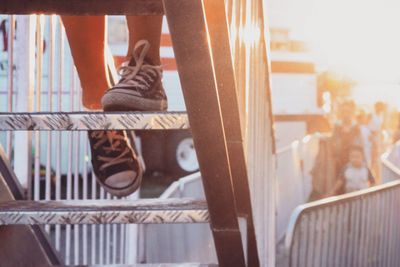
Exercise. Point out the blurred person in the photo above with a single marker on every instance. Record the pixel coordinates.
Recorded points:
(345, 133)
(377, 126)
(355, 175)
(378, 117)
(114, 157)
(363, 120)
(396, 132)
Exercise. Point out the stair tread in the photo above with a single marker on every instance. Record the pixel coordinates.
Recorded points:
(151, 265)
(93, 121)
(178, 210)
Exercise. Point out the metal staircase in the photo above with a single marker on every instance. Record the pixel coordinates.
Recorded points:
(202, 51)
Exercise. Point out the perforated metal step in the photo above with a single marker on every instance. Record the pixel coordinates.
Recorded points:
(93, 121)
(143, 211)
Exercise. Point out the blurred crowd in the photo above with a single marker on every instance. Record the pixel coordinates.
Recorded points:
(359, 137)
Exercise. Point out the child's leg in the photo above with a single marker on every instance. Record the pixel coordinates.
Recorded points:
(140, 87)
(147, 28)
(115, 164)
(86, 36)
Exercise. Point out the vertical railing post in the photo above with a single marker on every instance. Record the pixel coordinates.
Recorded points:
(25, 87)
(10, 82)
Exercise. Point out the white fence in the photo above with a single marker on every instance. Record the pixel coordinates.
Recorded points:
(355, 229)
(178, 242)
(390, 164)
(294, 179)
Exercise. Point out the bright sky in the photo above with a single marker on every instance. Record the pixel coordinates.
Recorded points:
(357, 37)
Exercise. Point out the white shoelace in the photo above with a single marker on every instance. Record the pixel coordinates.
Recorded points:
(115, 141)
(135, 76)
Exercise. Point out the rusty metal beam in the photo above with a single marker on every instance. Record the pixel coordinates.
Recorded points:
(82, 7)
(196, 72)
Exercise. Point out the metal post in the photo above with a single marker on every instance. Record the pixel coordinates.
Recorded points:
(38, 100)
(196, 72)
(224, 73)
(25, 87)
(10, 82)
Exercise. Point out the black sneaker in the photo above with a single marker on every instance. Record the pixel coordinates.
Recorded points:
(115, 163)
(140, 86)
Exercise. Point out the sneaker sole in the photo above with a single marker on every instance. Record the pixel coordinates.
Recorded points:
(131, 188)
(125, 191)
(113, 101)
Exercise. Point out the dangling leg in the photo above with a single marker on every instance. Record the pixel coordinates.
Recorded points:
(86, 35)
(140, 87)
(115, 163)
(145, 28)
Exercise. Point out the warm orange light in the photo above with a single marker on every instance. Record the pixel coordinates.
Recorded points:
(357, 37)
(250, 33)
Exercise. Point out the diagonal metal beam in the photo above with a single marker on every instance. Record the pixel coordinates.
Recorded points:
(196, 72)
(93, 121)
(34, 247)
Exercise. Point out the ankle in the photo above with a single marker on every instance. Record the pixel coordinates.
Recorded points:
(92, 106)
(153, 58)
(92, 102)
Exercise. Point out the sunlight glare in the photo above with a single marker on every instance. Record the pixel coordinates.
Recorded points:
(250, 34)
(357, 37)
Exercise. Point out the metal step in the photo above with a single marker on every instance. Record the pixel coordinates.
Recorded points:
(93, 121)
(149, 265)
(155, 265)
(79, 7)
(143, 211)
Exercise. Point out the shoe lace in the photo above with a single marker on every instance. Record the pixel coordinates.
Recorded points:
(116, 141)
(142, 74)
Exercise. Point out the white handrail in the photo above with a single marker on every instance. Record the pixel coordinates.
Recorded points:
(355, 212)
(302, 209)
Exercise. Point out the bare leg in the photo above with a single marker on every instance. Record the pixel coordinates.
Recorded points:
(148, 28)
(86, 36)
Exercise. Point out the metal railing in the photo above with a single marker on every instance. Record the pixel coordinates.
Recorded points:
(249, 46)
(390, 160)
(355, 229)
(195, 240)
(295, 164)
(40, 76)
